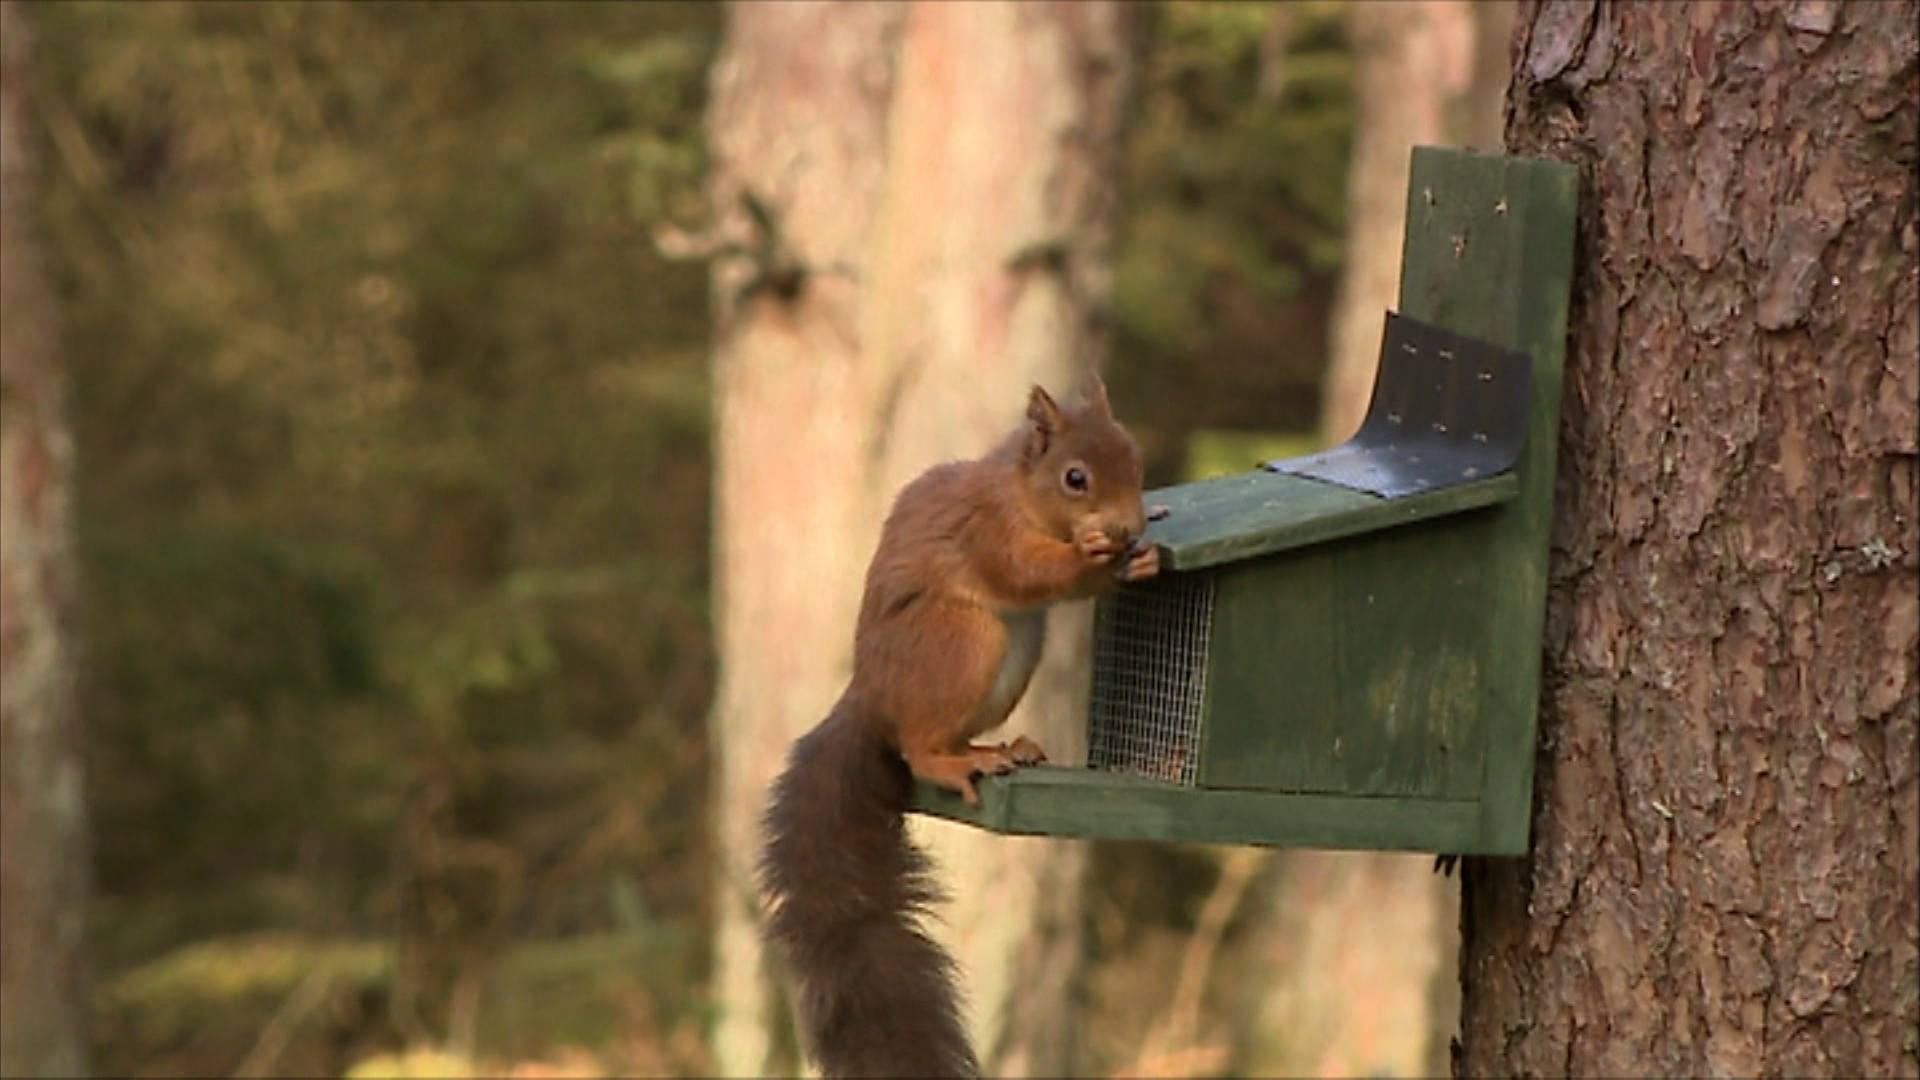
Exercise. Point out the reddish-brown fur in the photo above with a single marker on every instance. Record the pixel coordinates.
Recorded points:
(950, 627)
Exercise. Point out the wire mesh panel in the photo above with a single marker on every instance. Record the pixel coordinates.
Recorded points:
(1150, 678)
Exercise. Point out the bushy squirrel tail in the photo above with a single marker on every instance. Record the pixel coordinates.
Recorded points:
(847, 890)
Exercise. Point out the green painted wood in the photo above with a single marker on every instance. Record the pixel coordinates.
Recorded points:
(1373, 673)
(1256, 513)
(1058, 801)
(1489, 253)
(1380, 690)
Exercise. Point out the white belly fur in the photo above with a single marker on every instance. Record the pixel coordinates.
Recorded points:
(1026, 634)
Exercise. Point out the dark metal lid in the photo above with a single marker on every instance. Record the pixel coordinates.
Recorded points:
(1446, 410)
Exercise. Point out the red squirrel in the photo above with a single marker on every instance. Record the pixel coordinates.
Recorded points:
(950, 630)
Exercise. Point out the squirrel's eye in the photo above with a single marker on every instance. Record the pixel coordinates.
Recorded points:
(1075, 478)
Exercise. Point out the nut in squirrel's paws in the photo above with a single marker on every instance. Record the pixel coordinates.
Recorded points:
(1025, 751)
(1097, 547)
(1142, 561)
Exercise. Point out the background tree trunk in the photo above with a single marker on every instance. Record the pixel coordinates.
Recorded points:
(802, 131)
(1363, 944)
(1723, 878)
(939, 177)
(1415, 68)
(43, 849)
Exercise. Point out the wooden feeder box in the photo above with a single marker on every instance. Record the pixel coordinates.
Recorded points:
(1343, 650)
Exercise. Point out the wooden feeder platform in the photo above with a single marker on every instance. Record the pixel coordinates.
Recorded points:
(1343, 650)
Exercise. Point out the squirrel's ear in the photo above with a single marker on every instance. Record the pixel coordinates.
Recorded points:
(1097, 395)
(1043, 422)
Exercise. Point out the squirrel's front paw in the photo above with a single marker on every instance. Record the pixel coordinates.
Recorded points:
(1143, 561)
(1025, 751)
(1097, 547)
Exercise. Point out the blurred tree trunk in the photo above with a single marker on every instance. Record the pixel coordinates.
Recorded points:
(1363, 944)
(1419, 79)
(1724, 877)
(934, 194)
(1356, 947)
(1274, 40)
(43, 849)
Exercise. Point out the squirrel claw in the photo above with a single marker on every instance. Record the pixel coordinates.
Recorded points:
(1000, 759)
(995, 760)
(955, 772)
(1141, 564)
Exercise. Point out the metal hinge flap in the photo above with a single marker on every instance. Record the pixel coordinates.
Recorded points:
(1446, 410)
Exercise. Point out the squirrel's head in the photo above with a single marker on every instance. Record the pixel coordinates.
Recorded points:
(1083, 470)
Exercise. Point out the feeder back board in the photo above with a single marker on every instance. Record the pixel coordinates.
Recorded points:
(1343, 649)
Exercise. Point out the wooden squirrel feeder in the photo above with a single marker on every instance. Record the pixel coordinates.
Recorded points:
(1342, 650)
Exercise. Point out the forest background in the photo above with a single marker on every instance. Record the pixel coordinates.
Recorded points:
(388, 338)
(391, 504)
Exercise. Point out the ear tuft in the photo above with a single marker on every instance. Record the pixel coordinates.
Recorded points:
(1097, 395)
(1043, 422)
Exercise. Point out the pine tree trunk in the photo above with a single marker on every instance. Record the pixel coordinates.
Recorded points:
(939, 177)
(43, 849)
(1724, 876)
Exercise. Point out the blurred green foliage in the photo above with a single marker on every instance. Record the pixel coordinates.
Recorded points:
(392, 502)
(1231, 237)
(1215, 452)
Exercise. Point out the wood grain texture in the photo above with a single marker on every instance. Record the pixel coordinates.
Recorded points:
(1241, 517)
(1358, 668)
(1489, 254)
(1062, 801)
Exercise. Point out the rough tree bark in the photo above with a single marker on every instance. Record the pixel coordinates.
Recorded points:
(1723, 878)
(43, 850)
(935, 185)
